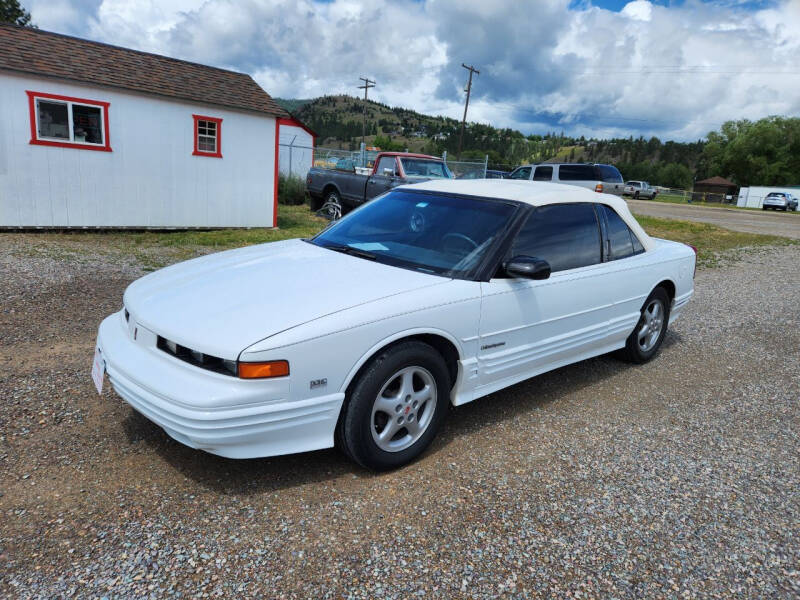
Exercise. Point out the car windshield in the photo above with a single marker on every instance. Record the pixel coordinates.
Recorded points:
(430, 232)
(776, 195)
(429, 169)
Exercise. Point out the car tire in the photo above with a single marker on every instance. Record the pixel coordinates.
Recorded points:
(645, 340)
(636, 196)
(407, 383)
(333, 205)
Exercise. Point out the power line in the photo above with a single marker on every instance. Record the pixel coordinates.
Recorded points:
(367, 84)
(471, 70)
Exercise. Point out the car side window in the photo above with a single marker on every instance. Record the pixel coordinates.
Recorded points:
(387, 162)
(576, 173)
(565, 235)
(521, 173)
(543, 174)
(623, 241)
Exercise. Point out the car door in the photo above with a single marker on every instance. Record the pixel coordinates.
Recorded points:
(378, 183)
(521, 173)
(527, 326)
(626, 273)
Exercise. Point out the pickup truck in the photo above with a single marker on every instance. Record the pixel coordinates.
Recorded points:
(639, 189)
(342, 188)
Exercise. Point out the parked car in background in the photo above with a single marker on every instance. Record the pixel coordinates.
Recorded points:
(433, 294)
(639, 189)
(597, 177)
(780, 201)
(343, 188)
(494, 174)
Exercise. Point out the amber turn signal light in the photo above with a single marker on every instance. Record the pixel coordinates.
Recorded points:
(599, 188)
(263, 370)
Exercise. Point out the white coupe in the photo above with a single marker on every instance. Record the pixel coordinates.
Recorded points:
(432, 294)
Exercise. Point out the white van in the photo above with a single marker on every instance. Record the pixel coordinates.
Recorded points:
(597, 177)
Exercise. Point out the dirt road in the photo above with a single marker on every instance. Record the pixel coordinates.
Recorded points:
(766, 222)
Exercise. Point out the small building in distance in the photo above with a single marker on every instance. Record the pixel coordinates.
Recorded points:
(714, 189)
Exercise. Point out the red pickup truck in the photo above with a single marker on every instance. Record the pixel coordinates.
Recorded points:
(343, 187)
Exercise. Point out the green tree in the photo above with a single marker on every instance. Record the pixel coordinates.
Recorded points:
(11, 11)
(674, 175)
(764, 152)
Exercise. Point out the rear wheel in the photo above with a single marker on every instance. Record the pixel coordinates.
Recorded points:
(395, 407)
(645, 341)
(332, 208)
(636, 195)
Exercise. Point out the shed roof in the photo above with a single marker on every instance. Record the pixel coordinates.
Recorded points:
(37, 52)
(717, 180)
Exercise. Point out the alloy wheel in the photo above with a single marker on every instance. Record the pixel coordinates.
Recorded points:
(403, 409)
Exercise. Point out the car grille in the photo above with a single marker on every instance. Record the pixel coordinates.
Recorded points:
(198, 359)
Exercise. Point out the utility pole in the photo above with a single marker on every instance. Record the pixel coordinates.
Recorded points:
(471, 70)
(367, 84)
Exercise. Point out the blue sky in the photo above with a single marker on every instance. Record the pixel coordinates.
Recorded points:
(674, 69)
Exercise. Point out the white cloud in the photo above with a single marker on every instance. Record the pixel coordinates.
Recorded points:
(676, 71)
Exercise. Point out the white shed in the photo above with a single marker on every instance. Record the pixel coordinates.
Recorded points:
(93, 135)
(296, 148)
(753, 196)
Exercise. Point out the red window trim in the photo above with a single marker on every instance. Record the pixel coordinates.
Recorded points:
(35, 134)
(197, 151)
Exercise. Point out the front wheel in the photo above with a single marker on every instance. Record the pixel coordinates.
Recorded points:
(636, 196)
(645, 341)
(395, 407)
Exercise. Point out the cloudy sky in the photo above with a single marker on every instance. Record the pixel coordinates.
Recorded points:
(676, 69)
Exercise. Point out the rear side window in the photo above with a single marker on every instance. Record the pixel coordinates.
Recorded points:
(623, 241)
(565, 235)
(576, 173)
(387, 162)
(521, 173)
(609, 174)
(543, 174)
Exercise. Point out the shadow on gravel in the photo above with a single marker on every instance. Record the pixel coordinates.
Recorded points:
(256, 476)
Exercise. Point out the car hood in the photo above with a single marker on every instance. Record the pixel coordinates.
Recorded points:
(222, 303)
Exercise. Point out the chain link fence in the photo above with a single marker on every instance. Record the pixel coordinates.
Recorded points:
(295, 161)
(678, 195)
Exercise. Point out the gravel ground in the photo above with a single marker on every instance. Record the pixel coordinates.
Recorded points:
(679, 478)
(766, 222)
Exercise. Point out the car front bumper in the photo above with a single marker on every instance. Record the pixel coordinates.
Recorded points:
(218, 413)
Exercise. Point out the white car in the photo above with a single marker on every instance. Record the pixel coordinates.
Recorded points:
(432, 294)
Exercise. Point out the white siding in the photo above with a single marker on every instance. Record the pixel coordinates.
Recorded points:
(753, 197)
(150, 179)
(295, 160)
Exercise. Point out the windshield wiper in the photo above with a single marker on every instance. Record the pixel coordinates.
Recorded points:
(351, 251)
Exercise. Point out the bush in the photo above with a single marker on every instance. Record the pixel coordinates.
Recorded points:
(291, 190)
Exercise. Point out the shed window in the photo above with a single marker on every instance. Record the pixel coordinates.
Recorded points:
(68, 122)
(207, 136)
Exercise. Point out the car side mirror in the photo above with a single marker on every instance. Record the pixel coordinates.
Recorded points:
(388, 172)
(528, 267)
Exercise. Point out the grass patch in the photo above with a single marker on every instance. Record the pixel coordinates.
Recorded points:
(678, 199)
(293, 222)
(154, 249)
(715, 245)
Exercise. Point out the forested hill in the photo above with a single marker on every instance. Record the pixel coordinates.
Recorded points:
(338, 122)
